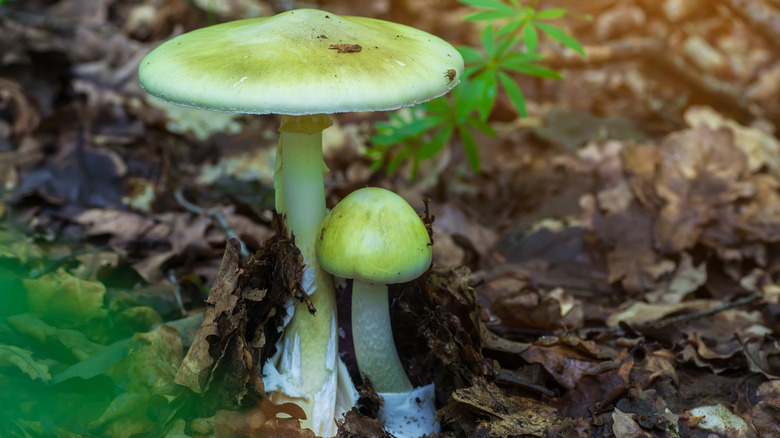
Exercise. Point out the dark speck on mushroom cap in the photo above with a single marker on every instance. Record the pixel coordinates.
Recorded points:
(282, 65)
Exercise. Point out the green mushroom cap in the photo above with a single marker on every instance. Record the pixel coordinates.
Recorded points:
(304, 61)
(375, 236)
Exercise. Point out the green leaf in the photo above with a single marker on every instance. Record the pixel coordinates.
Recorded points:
(510, 28)
(481, 126)
(488, 39)
(397, 160)
(466, 99)
(562, 37)
(488, 4)
(489, 15)
(470, 146)
(536, 70)
(517, 60)
(24, 361)
(550, 14)
(65, 298)
(507, 43)
(514, 93)
(470, 55)
(531, 37)
(438, 141)
(486, 83)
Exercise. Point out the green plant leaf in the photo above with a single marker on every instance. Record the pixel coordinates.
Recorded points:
(562, 37)
(438, 141)
(514, 93)
(531, 37)
(470, 146)
(510, 28)
(516, 60)
(550, 14)
(489, 4)
(536, 70)
(486, 85)
(24, 361)
(481, 126)
(490, 15)
(488, 39)
(470, 55)
(396, 161)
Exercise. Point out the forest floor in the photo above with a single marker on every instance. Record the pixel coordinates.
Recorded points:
(610, 270)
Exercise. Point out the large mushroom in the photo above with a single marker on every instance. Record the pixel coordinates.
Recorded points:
(375, 238)
(303, 64)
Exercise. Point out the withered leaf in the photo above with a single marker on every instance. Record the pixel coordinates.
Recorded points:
(198, 362)
(485, 410)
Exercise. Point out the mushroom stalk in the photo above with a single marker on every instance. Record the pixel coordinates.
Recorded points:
(372, 334)
(308, 366)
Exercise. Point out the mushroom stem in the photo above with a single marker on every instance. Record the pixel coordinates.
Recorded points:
(310, 359)
(372, 334)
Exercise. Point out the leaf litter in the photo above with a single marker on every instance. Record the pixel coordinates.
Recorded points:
(612, 271)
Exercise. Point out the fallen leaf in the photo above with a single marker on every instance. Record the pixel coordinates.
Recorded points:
(11, 355)
(62, 297)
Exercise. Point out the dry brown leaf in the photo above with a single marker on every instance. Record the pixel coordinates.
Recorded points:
(486, 410)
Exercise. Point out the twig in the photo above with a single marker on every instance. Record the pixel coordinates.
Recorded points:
(215, 215)
(177, 291)
(755, 296)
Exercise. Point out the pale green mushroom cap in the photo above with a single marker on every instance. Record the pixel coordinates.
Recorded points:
(375, 236)
(284, 65)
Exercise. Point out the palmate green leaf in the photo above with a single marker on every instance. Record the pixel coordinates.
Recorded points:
(514, 93)
(562, 37)
(550, 14)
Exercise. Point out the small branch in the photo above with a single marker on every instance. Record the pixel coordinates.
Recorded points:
(755, 296)
(215, 215)
(177, 291)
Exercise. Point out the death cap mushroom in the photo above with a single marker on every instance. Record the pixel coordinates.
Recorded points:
(375, 236)
(304, 61)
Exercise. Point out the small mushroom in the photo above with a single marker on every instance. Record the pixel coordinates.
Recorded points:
(282, 65)
(375, 238)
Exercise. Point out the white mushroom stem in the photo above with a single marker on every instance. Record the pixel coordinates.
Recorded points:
(311, 371)
(372, 335)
